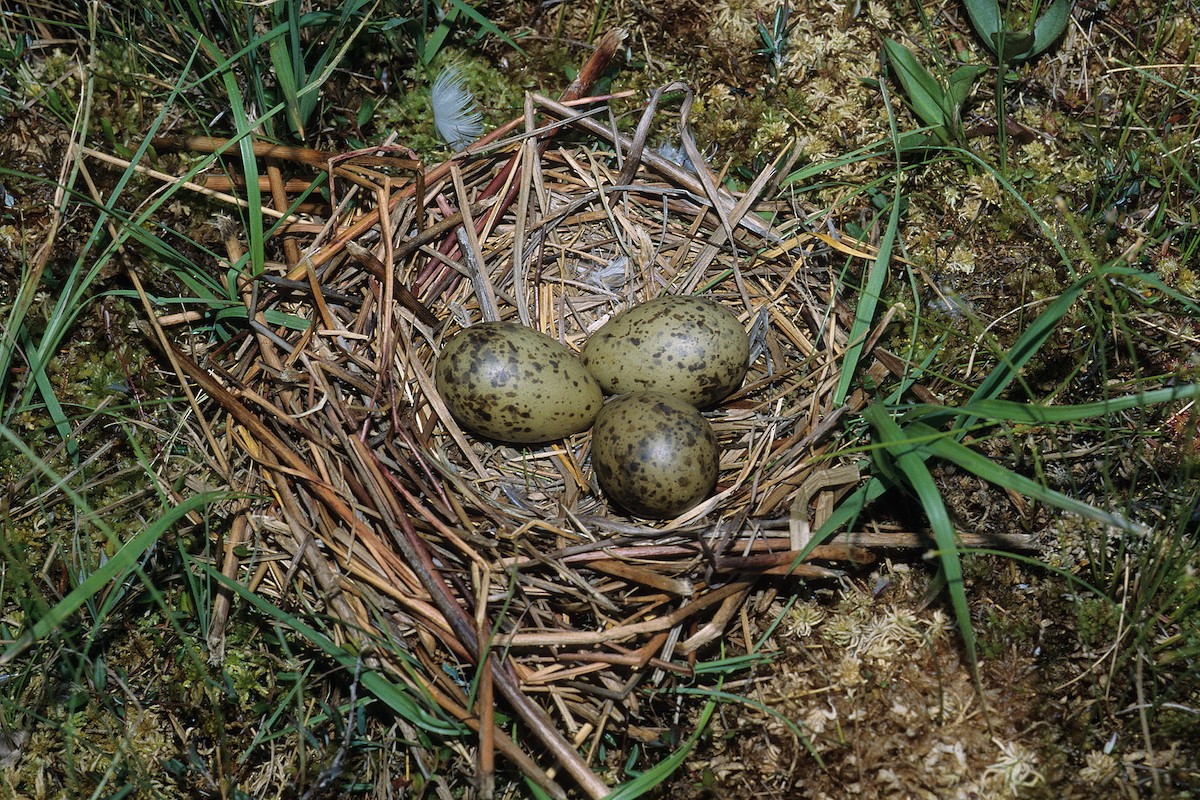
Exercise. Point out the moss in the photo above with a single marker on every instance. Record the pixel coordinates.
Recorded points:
(999, 631)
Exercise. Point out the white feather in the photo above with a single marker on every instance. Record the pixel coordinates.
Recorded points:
(455, 115)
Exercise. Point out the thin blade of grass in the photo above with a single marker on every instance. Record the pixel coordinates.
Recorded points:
(122, 561)
(730, 697)
(868, 298)
(864, 153)
(433, 42)
(942, 445)
(1037, 414)
(72, 295)
(485, 24)
(285, 76)
(1031, 340)
(245, 142)
(911, 465)
(844, 515)
(396, 696)
(654, 777)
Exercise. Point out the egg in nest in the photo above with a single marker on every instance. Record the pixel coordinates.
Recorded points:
(688, 347)
(653, 454)
(514, 384)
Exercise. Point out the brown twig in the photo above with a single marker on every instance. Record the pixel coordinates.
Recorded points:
(417, 556)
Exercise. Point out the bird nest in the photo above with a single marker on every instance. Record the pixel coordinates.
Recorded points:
(471, 572)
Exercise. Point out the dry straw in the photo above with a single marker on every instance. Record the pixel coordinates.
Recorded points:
(405, 528)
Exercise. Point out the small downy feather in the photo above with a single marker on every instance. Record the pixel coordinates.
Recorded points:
(458, 120)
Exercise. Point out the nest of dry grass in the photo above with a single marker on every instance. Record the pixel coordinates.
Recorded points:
(457, 552)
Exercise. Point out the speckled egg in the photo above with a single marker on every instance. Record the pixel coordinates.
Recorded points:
(512, 383)
(687, 347)
(654, 454)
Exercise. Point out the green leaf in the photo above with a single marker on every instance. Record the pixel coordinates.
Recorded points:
(961, 81)
(1050, 26)
(366, 112)
(290, 321)
(924, 93)
(921, 140)
(1010, 47)
(985, 18)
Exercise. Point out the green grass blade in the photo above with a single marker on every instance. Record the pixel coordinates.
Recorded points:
(730, 697)
(54, 409)
(331, 57)
(868, 298)
(942, 445)
(1030, 342)
(396, 696)
(432, 44)
(485, 24)
(1033, 338)
(285, 76)
(864, 153)
(847, 511)
(911, 466)
(125, 559)
(1037, 414)
(654, 777)
(73, 294)
(245, 143)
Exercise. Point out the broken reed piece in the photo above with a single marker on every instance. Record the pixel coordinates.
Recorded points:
(407, 299)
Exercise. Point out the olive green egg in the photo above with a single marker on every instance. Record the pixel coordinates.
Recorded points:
(653, 454)
(514, 384)
(687, 347)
